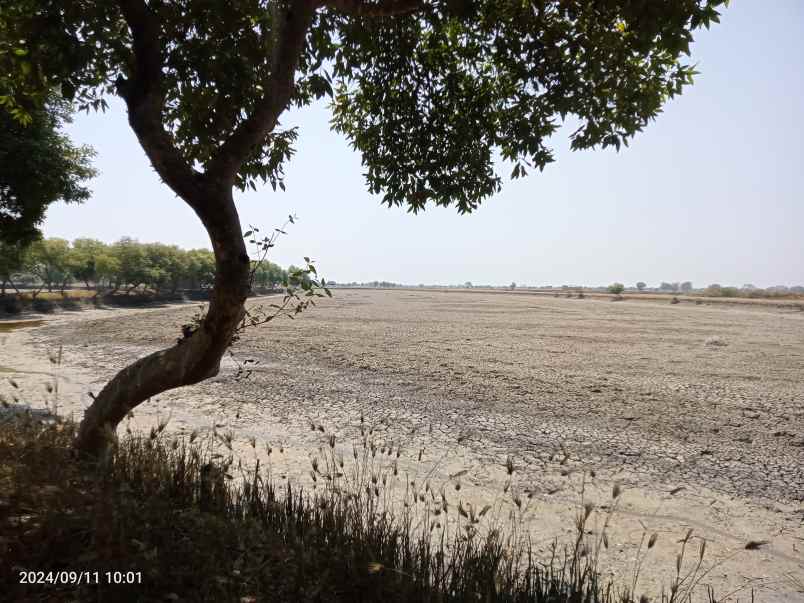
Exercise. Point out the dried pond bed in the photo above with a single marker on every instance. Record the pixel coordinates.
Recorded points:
(654, 396)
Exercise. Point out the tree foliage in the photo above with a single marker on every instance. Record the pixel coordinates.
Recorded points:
(38, 166)
(429, 94)
(124, 265)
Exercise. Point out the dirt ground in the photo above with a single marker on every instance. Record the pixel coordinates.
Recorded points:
(696, 411)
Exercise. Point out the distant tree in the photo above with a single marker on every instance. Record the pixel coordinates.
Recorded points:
(512, 286)
(641, 286)
(82, 259)
(38, 166)
(686, 286)
(616, 288)
(107, 270)
(430, 92)
(268, 275)
(166, 266)
(468, 284)
(134, 269)
(749, 287)
(201, 268)
(11, 263)
(49, 261)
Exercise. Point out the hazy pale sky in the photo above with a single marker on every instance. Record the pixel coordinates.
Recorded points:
(710, 192)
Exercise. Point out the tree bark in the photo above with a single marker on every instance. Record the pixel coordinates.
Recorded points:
(196, 356)
(192, 359)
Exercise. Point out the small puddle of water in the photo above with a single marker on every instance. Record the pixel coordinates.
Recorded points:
(7, 327)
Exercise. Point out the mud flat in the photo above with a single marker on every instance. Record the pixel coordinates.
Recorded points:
(697, 411)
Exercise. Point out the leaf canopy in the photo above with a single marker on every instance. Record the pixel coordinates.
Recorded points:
(430, 98)
(38, 166)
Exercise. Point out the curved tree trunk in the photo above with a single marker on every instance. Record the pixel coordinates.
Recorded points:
(197, 356)
(193, 358)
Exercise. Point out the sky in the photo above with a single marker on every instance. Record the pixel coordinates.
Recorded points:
(711, 192)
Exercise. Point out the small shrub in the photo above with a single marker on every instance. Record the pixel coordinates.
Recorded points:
(43, 306)
(716, 342)
(10, 304)
(616, 288)
(70, 304)
(675, 300)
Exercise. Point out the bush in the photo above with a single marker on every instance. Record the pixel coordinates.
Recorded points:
(10, 304)
(69, 303)
(43, 306)
(616, 288)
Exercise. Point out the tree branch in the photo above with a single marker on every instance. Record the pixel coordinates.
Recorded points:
(143, 95)
(294, 21)
(383, 8)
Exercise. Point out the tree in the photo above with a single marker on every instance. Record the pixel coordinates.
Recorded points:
(268, 275)
(641, 286)
(428, 91)
(133, 266)
(11, 262)
(107, 270)
(686, 286)
(616, 288)
(164, 266)
(512, 286)
(82, 259)
(48, 260)
(38, 166)
(201, 268)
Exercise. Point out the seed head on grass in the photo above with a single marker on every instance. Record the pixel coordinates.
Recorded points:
(509, 465)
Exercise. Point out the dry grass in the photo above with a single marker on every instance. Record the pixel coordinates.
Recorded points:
(76, 294)
(197, 526)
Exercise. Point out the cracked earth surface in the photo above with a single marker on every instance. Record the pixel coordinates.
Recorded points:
(652, 396)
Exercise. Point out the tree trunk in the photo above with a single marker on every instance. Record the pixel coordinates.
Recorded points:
(193, 358)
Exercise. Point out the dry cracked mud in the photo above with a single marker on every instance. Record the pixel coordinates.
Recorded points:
(696, 410)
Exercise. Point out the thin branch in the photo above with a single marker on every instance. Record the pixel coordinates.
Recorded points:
(383, 8)
(293, 21)
(144, 97)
